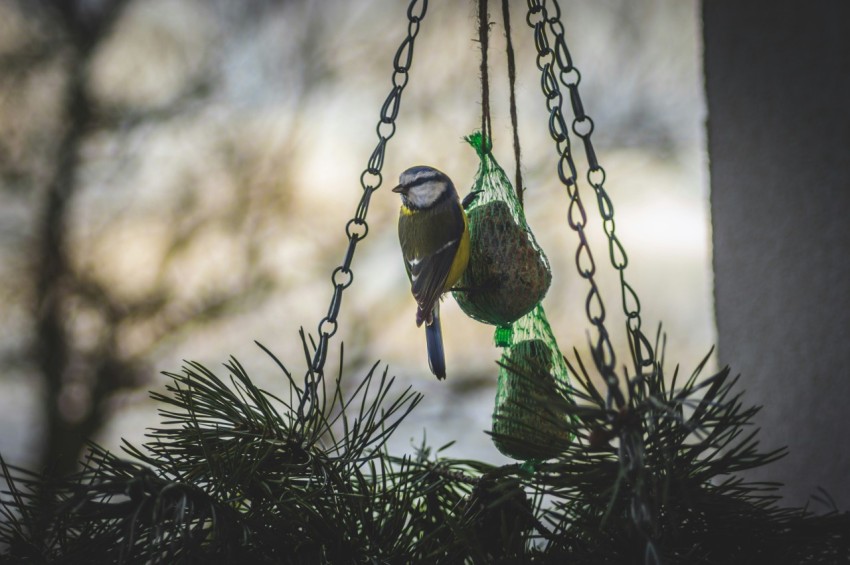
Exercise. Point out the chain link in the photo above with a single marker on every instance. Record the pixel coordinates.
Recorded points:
(550, 59)
(583, 128)
(555, 64)
(603, 352)
(370, 180)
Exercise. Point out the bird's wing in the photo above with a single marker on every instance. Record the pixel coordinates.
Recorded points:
(429, 241)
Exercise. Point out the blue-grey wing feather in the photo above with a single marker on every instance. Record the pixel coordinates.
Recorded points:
(428, 264)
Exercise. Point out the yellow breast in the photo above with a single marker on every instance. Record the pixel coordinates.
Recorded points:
(461, 257)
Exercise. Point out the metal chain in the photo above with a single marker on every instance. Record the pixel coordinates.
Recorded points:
(603, 351)
(631, 449)
(583, 127)
(370, 180)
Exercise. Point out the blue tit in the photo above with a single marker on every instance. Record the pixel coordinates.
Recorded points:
(434, 236)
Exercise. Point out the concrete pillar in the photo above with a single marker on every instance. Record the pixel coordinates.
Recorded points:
(778, 90)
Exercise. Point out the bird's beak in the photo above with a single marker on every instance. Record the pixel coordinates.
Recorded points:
(399, 189)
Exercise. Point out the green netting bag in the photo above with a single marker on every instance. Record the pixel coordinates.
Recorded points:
(508, 274)
(530, 419)
(507, 277)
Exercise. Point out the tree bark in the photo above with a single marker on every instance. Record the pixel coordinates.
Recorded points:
(65, 437)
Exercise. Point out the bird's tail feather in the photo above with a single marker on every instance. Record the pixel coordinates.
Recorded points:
(434, 339)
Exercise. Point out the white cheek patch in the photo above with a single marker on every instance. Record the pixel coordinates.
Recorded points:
(425, 194)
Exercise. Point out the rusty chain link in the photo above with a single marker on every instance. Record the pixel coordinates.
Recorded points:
(370, 180)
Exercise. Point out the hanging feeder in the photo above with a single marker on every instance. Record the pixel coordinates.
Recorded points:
(508, 273)
(507, 277)
(530, 418)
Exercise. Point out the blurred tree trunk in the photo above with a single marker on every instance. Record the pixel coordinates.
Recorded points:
(66, 436)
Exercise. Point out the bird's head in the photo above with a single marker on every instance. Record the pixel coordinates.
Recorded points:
(421, 187)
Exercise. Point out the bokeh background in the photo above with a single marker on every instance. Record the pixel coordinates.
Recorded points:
(176, 175)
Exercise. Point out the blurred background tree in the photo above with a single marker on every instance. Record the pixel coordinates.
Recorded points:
(175, 176)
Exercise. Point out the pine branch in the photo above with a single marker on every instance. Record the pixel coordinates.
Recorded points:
(234, 473)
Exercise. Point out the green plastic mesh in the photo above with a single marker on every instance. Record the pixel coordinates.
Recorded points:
(530, 419)
(508, 274)
(507, 277)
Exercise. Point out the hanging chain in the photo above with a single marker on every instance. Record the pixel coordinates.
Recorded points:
(556, 57)
(583, 127)
(370, 180)
(631, 449)
(603, 351)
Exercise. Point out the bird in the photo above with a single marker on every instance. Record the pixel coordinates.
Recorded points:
(433, 231)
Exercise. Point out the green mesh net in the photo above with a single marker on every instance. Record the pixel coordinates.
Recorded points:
(507, 277)
(530, 419)
(508, 274)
